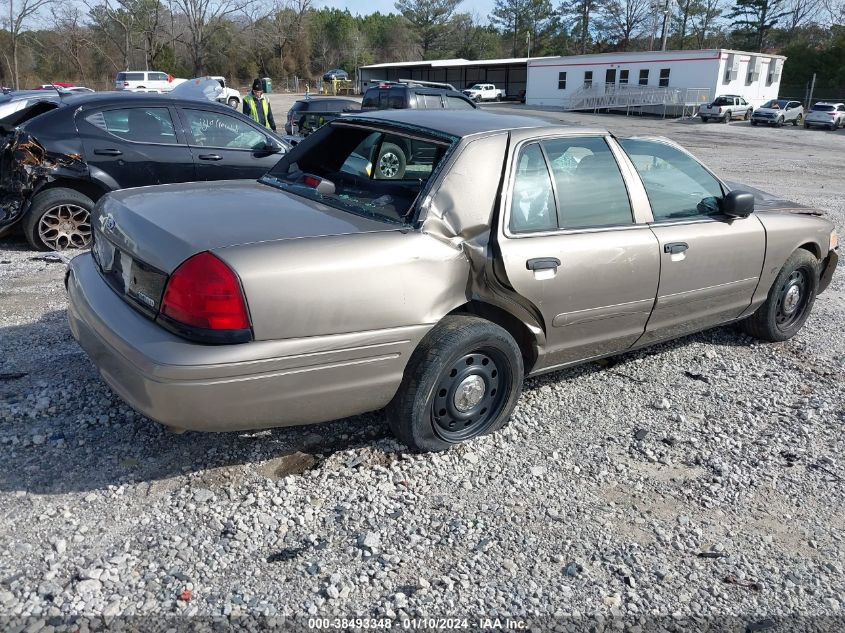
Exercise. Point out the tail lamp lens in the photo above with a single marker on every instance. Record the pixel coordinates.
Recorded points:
(203, 292)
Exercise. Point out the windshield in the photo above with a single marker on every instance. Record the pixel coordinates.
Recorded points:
(477, 87)
(820, 107)
(377, 174)
(775, 104)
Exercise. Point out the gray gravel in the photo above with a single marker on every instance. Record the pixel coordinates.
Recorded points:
(700, 477)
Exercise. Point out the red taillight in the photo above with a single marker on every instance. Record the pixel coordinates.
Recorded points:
(125, 84)
(311, 181)
(203, 292)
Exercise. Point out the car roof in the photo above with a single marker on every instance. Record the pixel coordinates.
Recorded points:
(136, 98)
(460, 123)
(834, 103)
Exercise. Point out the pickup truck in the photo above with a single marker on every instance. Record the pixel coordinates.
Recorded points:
(725, 108)
(484, 92)
(229, 96)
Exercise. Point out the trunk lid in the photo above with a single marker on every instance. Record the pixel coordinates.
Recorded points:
(141, 235)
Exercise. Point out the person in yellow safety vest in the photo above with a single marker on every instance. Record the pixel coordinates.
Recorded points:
(257, 106)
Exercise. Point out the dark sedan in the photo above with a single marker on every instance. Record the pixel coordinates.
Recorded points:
(57, 158)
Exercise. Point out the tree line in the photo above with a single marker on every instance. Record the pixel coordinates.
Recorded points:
(90, 41)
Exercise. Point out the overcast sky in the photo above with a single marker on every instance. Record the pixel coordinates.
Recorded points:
(479, 7)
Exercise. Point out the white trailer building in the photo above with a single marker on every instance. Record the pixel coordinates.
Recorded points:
(660, 81)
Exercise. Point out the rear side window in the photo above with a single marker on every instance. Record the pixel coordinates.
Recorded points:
(590, 188)
(532, 201)
(141, 125)
(456, 103)
(371, 98)
(429, 102)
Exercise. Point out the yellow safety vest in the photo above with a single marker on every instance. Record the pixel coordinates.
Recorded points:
(253, 109)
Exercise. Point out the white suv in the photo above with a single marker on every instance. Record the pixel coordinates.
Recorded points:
(829, 114)
(144, 81)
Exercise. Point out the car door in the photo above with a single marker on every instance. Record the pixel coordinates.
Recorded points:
(710, 264)
(573, 244)
(227, 145)
(134, 146)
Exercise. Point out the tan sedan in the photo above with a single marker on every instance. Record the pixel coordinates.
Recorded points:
(505, 247)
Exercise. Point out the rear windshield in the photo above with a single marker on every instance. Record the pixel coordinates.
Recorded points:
(723, 101)
(373, 98)
(819, 107)
(377, 174)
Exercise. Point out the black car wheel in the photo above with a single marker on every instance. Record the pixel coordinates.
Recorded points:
(790, 300)
(391, 162)
(727, 117)
(704, 119)
(747, 115)
(59, 219)
(779, 122)
(233, 102)
(753, 122)
(462, 381)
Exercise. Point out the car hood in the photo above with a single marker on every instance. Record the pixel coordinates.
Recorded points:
(765, 201)
(164, 225)
(768, 111)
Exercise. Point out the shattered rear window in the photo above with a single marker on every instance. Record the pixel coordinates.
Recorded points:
(374, 173)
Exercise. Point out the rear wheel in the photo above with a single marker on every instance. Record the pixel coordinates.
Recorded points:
(498, 97)
(391, 162)
(462, 381)
(753, 122)
(727, 118)
(704, 119)
(790, 300)
(747, 115)
(59, 219)
(233, 102)
(797, 121)
(806, 125)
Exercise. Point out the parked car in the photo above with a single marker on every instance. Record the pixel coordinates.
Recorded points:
(306, 115)
(777, 112)
(726, 108)
(826, 114)
(59, 157)
(335, 73)
(523, 247)
(79, 89)
(56, 85)
(484, 92)
(145, 80)
(416, 96)
(229, 95)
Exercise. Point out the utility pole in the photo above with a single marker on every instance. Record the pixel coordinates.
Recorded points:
(528, 40)
(665, 25)
(812, 87)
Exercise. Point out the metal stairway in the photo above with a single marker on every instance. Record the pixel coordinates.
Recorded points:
(597, 97)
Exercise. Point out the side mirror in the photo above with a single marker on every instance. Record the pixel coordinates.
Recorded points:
(738, 204)
(272, 145)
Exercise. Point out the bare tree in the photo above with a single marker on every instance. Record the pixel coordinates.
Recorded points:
(72, 37)
(203, 18)
(622, 19)
(800, 12)
(704, 19)
(115, 19)
(17, 19)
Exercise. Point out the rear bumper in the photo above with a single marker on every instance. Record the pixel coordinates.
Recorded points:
(829, 265)
(232, 387)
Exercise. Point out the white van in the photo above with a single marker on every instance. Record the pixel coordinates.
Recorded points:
(144, 81)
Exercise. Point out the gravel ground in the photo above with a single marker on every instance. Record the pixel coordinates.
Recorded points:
(700, 478)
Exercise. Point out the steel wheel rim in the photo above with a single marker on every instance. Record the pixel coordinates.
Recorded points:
(65, 226)
(388, 164)
(459, 410)
(792, 302)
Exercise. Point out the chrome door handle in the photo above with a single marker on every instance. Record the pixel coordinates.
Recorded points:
(543, 263)
(210, 157)
(673, 248)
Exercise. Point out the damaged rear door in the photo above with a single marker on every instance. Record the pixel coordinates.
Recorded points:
(135, 146)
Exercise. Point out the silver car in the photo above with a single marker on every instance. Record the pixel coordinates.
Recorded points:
(778, 112)
(826, 114)
(508, 247)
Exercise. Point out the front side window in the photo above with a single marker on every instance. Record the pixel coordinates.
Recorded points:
(644, 77)
(561, 81)
(532, 201)
(590, 189)
(378, 174)
(588, 78)
(664, 77)
(678, 186)
(141, 125)
(215, 129)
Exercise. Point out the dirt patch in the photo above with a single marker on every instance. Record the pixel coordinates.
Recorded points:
(293, 464)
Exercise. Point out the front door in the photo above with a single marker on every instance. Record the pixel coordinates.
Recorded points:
(227, 146)
(570, 245)
(134, 146)
(710, 264)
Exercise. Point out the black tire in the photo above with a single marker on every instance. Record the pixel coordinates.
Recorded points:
(747, 115)
(67, 207)
(233, 102)
(797, 120)
(391, 162)
(779, 122)
(460, 352)
(806, 125)
(728, 116)
(776, 320)
(704, 119)
(754, 123)
(498, 97)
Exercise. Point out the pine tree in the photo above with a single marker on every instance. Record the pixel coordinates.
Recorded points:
(756, 18)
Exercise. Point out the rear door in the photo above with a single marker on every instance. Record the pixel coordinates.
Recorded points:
(709, 264)
(135, 146)
(577, 246)
(225, 145)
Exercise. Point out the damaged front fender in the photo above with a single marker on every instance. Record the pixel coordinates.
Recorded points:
(25, 168)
